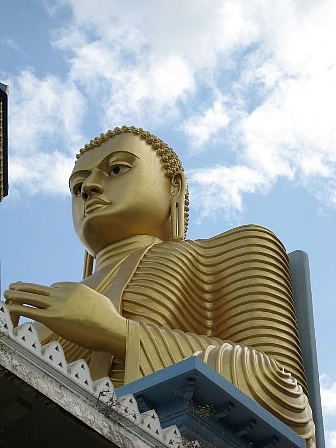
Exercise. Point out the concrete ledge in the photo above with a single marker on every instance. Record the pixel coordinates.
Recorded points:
(41, 394)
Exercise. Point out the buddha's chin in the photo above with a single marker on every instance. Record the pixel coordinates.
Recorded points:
(110, 224)
(97, 231)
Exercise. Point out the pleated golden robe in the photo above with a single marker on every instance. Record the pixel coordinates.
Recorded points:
(229, 301)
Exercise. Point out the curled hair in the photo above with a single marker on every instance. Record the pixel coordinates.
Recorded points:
(170, 161)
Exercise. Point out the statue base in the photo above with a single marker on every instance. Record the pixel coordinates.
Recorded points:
(48, 403)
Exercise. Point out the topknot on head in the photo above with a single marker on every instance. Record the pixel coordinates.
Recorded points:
(169, 159)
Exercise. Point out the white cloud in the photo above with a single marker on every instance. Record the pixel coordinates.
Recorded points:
(43, 109)
(149, 94)
(330, 439)
(144, 60)
(195, 31)
(200, 129)
(221, 188)
(10, 43)
(328, 397)
(285, 96)
(292, 132)
(41, 172)
(122, 72)
(328, 401)
(44, 132)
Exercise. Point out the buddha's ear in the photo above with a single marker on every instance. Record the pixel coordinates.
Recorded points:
(178, 191)
(88, 265)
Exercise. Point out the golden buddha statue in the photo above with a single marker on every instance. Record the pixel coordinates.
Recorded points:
(155, 298)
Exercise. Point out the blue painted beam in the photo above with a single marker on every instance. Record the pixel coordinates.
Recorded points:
(206, 406)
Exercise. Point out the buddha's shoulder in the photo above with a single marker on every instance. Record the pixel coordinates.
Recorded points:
(247, 235)
(249, 231)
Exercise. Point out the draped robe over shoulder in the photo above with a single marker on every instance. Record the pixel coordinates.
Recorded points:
(227, 299)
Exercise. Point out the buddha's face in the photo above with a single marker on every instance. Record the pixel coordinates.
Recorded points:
(119, 190)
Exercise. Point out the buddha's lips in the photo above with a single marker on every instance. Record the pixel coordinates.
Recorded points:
(94, 204)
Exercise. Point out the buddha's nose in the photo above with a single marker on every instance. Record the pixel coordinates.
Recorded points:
(91, 186)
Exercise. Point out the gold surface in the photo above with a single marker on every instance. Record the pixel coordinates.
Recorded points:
(155, 299)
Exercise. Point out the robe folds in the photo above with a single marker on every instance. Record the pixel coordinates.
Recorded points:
(229, 301)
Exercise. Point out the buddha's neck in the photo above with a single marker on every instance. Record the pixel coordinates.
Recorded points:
(114, 253)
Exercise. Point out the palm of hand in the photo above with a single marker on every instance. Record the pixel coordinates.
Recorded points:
(73, 311)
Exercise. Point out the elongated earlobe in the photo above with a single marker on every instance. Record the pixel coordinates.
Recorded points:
(177, 200)
(88, 265)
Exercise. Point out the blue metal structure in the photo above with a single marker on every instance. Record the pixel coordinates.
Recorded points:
(207, 407)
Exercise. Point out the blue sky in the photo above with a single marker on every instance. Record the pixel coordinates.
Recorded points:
(244, 91)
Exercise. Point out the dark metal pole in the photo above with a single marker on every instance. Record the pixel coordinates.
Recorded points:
(3, 141)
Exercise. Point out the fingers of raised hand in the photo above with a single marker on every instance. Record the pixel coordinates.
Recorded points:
(26, 311)
(28, 298)
(30, 287)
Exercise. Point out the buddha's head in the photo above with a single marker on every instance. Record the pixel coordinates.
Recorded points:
(127, 182)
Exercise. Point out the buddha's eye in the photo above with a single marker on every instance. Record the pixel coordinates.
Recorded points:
(118, 169)
(77, 189)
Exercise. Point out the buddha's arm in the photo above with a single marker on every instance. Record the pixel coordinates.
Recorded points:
(73, 311)
(151, 348)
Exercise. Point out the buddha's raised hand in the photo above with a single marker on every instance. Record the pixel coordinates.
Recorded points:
(72, 310)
